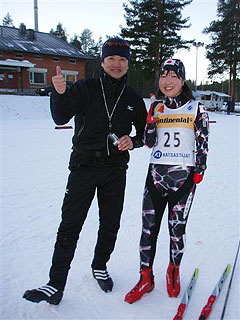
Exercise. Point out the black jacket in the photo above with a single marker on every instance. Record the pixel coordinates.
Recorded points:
(84, 100)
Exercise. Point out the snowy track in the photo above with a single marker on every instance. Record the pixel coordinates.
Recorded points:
(35, 159)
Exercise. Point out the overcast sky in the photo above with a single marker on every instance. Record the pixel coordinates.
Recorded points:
(105, 17)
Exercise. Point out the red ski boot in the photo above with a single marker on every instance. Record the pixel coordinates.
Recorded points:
(145, 285)
(173, 280)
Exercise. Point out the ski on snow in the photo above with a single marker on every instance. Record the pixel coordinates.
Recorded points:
(230, 282)
(207, 309)
(186, 297)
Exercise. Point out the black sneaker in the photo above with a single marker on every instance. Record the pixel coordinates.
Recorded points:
(44, 293)
(104, 280)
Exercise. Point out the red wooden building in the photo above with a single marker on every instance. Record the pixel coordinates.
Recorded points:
(28, 60)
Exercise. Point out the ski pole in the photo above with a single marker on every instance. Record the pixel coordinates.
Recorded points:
(230, 282)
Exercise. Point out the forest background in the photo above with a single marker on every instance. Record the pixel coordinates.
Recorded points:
(153, 28)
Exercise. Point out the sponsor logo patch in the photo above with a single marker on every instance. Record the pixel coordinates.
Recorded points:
(130, 108)
(188, 205)
(157, 154)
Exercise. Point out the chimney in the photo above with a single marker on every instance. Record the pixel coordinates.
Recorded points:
(30, 34)
(22, 29)
(36, 15)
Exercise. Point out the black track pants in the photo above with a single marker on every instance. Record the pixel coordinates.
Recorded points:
(82, 183)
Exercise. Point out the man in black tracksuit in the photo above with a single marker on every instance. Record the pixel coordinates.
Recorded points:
(105, 110)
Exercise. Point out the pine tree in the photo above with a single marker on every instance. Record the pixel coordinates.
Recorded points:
(93, 49)
(60, 32)
(153, 27)
(224, 51)
(75, 42)
(7, 21)
(86, 43)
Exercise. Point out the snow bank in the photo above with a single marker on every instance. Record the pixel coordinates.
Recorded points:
(34, 173)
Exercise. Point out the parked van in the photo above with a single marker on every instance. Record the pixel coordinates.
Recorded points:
(212, 100)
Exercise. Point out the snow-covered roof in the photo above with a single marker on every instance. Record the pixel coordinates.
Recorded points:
(208, 93)
(16, 63)
(13, 39)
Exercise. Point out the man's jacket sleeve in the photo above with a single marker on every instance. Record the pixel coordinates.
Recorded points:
(139, 125)
(64, 106)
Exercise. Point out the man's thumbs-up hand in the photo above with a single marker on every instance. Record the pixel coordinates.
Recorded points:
(59, 82)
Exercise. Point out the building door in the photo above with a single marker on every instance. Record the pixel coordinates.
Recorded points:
(8, 80)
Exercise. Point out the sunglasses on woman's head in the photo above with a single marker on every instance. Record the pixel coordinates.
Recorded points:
(115, 43)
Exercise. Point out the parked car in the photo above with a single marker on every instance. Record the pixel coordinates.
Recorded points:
(48, 90)
(44, 91)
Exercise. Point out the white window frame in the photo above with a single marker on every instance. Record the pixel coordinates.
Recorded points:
(37, 70)
(66, 73)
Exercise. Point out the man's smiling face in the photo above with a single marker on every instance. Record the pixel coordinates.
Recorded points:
(115, 66)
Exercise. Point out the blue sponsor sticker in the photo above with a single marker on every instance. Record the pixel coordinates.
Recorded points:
(157, 154)
(189, 108)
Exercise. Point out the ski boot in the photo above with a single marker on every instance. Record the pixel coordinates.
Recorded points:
(145, 285)
(173, 280)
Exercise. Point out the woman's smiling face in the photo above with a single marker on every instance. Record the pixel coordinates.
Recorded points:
(170, 84)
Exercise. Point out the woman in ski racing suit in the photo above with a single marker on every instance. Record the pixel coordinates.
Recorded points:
(177, 130)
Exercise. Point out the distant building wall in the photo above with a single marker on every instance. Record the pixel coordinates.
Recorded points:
(18, 79)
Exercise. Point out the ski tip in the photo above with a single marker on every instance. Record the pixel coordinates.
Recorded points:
(229, 266)
(196, 272)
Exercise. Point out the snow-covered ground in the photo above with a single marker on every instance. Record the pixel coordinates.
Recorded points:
(34, 174)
